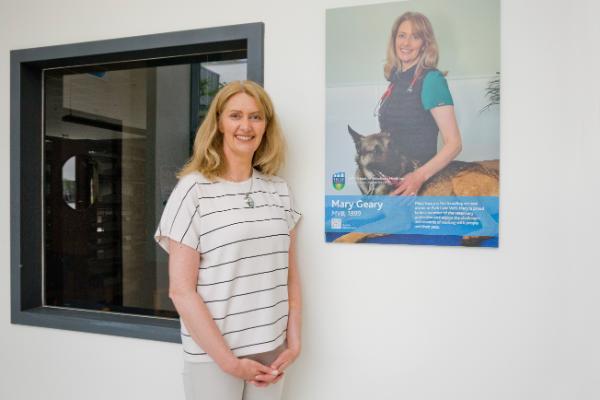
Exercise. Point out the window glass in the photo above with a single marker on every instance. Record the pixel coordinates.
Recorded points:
(114, 137)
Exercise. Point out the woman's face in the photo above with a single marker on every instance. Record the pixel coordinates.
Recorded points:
(243, 125)
(408, 45)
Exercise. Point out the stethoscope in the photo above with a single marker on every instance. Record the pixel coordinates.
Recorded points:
(388, 92)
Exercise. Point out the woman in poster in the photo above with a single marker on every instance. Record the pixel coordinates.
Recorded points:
(417, 103)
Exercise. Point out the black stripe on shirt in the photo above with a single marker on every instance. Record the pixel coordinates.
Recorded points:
(180, 204)
(248, 328)
(244, 258)
(241, 194)
(257, 326)
(241, 312)
(256, 344)
(242, 222)
(245, 240)
(269, 180)
(244, 294)
(241, 347)
(242, 208)
(251, 310)
(241, 276)
(294, 211)
(190, 224)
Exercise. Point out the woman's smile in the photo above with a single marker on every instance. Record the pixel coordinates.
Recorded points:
(244, 138)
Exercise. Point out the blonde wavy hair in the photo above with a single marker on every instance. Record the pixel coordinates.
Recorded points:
(208, 157)
(424, 31)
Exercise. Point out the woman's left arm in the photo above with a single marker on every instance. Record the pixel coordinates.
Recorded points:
(446, 121)
(294, 324)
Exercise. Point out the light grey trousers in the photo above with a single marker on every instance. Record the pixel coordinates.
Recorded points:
(206, 381)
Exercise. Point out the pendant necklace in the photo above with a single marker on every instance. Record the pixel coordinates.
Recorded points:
(249, 201)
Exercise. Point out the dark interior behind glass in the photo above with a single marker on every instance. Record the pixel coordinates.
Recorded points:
(114, 137)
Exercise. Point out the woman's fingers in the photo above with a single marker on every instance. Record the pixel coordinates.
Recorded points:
(284, 360)
(408, 187)
(265, 378)
(253, 370)
(281, 358)
(264, 369)
(267, 375)
(257, 374)
(413, 182)
(399, 190)
(257, 383)
(278, 378)
(264, 375)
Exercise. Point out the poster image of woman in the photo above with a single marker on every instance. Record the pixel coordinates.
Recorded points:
(408, 167)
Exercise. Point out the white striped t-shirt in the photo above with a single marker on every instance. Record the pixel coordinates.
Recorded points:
(244, 256)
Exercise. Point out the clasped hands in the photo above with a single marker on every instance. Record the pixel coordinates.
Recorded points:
(261, 375)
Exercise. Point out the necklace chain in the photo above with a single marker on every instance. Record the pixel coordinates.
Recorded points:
(249, 201)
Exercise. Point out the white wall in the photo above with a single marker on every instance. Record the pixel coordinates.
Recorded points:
(381, 322)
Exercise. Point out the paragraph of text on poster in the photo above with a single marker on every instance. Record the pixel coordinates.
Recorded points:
(433, 215)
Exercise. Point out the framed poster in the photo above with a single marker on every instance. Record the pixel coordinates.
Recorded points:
(412, 123)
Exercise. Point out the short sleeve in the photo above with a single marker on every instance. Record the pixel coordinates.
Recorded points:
(180, 219)
(435, 92)
(292, 214)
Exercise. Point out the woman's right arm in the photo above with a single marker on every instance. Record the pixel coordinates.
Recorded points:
(183, 276)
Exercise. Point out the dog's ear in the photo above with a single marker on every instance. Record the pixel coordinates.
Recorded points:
(357, 137)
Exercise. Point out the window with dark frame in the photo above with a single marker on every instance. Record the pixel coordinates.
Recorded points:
(97, 138)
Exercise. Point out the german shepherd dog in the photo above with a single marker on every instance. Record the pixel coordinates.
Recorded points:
(381, 165)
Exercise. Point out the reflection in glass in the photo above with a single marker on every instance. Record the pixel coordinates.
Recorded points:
(114, 137)
(79, 181)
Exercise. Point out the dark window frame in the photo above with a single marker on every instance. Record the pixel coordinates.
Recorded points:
(26, 161)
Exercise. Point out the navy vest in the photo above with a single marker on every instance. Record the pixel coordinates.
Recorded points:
(412, 128)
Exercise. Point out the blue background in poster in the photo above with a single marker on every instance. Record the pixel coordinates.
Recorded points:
(414, 215)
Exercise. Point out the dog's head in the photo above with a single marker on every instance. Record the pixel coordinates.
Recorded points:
(376, 152)
(379, 161)
(372, 151)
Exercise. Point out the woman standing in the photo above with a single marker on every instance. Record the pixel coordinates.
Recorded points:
(417, 104)
(229, 230)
